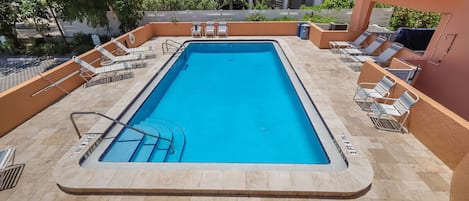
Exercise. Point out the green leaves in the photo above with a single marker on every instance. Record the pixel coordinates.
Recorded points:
(405, 17)
(128, 13)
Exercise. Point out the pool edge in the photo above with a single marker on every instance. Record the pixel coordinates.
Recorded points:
(354, 181)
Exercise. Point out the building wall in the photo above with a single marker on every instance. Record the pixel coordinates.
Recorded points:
(443, 78)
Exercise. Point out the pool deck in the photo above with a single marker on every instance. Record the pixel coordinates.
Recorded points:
(398, 166)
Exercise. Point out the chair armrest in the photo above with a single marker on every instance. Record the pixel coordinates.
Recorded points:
(386, 99)
(366, 84)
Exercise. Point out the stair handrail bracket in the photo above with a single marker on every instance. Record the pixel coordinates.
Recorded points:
(73, 114)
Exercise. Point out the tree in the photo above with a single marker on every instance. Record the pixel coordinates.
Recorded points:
(95, 12)
(35, 11)
(336, 4)
(8, 17)
(128, 13)
(405, 17)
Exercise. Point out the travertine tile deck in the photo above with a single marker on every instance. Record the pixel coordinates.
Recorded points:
(403, 168)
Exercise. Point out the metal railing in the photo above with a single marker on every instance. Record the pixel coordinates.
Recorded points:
(165, 46)
(117, 122)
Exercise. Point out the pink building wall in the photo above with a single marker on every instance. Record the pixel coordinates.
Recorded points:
(446, 77)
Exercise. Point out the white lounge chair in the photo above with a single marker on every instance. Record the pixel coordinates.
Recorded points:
(209, 29)
(364, 51)
(9, 172)
(131, 50)
(87, 72)
(383, 57)
(222, 29)
(334, 45)
(405, 74)
(365, 95)
(392, 117)
(110, 56)
(102, 69)
(196, 29)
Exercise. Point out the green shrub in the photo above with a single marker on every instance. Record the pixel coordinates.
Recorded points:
(256, 17)
(320, 19)
(82, 42)
(330, 4)
(405, 17)
(285, 18)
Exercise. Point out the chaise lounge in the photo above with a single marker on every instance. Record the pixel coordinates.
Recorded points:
(335, 45)
(9, 172)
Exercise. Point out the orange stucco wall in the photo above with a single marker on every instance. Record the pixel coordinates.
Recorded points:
(460, 181)
(440, 129)
(234, 28)
(18, 105)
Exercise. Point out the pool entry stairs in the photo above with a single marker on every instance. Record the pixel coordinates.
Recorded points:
(151, 140)
(153, 149)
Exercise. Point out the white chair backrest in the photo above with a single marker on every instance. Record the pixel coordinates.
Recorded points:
(84, 64)
(361, 39)
(406, 101)
(120, 45)
(105, 53)
(374, 45)
(209, 25)
(384, 85)
(389, 52)
(196, 26)
(96, 39)
(6, 156)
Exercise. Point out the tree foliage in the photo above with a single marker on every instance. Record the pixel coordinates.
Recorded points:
(9, 15)
(128, 13)
(95, 12)
(330, 4)
(405, 17)
(169, 5)
(35, 13)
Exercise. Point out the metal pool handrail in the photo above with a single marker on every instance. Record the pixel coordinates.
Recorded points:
(165, 45)
(118, 122)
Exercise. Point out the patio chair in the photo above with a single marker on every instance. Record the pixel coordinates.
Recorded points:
(87, 72)
(9, 172)
(209, 29)
(196, 29)
(222, 29)
(405, 74)
(365, 51)
(383, 57)
(131, 50)
(110, 56)
(392, 117)
(335, 45)
(365, 95)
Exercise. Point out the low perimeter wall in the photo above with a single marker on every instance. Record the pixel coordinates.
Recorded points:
(18, 105)
(440, 129)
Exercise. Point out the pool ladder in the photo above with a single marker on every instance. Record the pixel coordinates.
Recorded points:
(73, 114)
(170, 46)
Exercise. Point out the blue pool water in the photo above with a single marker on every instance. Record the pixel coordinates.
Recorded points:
(223, 103)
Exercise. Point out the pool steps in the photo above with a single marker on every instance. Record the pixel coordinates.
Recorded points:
(136, 147)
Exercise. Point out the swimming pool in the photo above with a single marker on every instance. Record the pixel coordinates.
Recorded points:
(81, 171)
(224, 102)
(234, 102)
